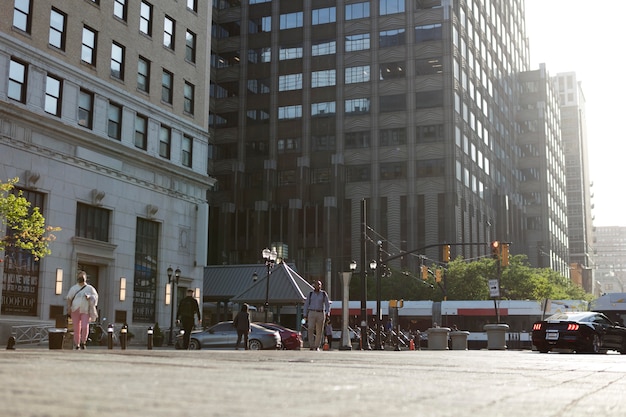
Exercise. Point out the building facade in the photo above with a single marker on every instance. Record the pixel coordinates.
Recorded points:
(103, 118)
(408, 106)
(610, 260)
(579, 185)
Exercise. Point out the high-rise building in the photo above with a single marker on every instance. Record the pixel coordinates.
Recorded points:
(579, 205)
(104, 120)
(409, 106)
(610, 260)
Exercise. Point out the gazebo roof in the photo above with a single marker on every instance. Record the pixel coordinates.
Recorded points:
(235, 283)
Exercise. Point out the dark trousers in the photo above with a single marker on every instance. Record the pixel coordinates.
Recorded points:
(243, 334)
(187, 323)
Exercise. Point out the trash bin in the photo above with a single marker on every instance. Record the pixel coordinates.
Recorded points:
(55, 338)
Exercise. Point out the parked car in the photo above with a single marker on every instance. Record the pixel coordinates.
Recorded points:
(586, 331)
(291, 339)
(224, 335)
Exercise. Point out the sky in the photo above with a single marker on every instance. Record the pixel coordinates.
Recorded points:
(587, 38)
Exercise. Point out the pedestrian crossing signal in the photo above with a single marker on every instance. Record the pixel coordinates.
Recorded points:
(495, 249)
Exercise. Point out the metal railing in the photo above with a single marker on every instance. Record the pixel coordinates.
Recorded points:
(30, 333)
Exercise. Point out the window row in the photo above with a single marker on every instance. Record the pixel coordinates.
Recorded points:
(57, 37)
(53, 102)
(396, 170)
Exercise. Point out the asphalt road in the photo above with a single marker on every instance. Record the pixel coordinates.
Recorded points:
(37, 382)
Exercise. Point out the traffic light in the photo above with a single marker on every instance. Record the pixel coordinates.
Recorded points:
(424, 272)
(495, 249)
(438, 275)
(505, 254)
(446, 253)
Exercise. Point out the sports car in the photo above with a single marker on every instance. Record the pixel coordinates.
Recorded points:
(586, 331)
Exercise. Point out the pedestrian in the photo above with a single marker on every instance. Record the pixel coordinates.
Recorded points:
(328, 331)
(316, 309)
(242, 324)
(187, 310)
(82, 300)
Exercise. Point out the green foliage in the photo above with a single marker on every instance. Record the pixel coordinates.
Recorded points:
(26, 225)
(470, 281)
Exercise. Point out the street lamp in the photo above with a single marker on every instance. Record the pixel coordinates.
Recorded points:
(346, 344)
(173, 283)
(377, 270)
(270, 259)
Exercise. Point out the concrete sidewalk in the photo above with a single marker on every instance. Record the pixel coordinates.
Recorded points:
(37, 382)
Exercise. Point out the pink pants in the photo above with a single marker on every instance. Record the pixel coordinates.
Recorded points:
(80, 322)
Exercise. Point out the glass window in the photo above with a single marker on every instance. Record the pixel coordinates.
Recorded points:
(394, 37)
(145, 19)
(288, 145)
(190, 46)
(88, 51)
(396, 102)
(114, 124)
(393, 171)
(120, 9)
(58, 20)
(323, 109)
(143, 74)
(428, 33)
(141, 131)
(324, 48)
(165, 141)
(392, 137)
(291, 20)
(322, 16)
(357, 10)
(22, 18)
(290, 112)
(52, 103)
(290, 82)
(357, 106)
(193, 5)
(391, 7)
(429, 66)
(428, 99)
(189, 92)
(117, 61)
(391, 70)
(167, 83)
(92, 222)
(323, 78)
(357, 74)
(147, 250)
(289, 52)
(357, 42)
(169, 30)
(17, 80)
(358, 173)
(187, 151)
(355, 140)
(85, 109)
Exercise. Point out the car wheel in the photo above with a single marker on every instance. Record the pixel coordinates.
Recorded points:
(595, 344)
(194, 344)
(543, 349)
(255, 345)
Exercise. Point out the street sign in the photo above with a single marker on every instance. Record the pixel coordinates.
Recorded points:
(494, 288)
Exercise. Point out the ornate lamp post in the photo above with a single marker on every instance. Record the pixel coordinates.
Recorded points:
(270, 259)
(173, 283)
(346, 344)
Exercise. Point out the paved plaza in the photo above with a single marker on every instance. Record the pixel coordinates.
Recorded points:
(37, 382)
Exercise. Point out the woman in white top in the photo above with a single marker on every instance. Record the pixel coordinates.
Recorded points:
(82, 299)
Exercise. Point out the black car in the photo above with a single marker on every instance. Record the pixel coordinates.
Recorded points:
(586, 331)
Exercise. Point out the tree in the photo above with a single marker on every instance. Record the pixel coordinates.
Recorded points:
(23, 226)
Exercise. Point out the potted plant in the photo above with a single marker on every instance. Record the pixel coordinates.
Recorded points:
(157, 336)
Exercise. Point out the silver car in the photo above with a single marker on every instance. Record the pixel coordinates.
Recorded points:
(224, 335)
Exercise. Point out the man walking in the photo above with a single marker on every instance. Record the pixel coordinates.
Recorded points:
(187, 310)
(316, 310)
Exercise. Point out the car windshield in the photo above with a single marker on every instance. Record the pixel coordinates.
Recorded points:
(569, 316)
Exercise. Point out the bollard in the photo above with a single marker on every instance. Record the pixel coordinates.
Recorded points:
(110, 336)
(150, 337)
(124, 336)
